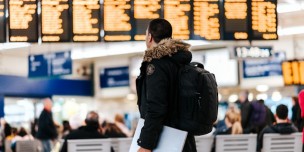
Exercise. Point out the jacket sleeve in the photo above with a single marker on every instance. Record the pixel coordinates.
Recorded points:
(157, 105)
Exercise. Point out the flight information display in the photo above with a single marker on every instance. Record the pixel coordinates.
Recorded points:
(206, 19)
(178, 13)
(86, 20)
(117, 20)
(2, 21)
(236, 20)
(23, 23)
(144, 12)
(293, 72)
(55, 21)
(264, 19)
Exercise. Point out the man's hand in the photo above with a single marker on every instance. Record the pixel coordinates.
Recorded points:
(143, 150)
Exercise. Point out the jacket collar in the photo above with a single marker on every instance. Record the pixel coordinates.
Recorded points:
(166, 47)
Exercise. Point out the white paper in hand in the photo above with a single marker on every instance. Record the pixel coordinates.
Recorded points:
(171, 140)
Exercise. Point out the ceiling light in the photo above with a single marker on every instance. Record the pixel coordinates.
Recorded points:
(233, 98)
(6, 46)
(262, 88)
(291, 30)
(262, 96)
(287, 8)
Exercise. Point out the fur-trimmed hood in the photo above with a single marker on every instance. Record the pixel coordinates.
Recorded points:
(167, 47)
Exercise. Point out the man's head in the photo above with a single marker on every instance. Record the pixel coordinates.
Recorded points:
(92, 119)
(157, 30)
(47, 104)
(281, 113)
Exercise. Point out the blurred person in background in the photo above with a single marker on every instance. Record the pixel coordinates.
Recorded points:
(66, 128)
(221, 125)
(301, 102)
(34, 127)
(22, 135)
(245, 107)
(89, 131)
(47, 131)
(296, 113)
(232, 122)
(120, 123)
(260, 117)
(13, 133)
(233, 125)
(113, 131)
(282, 125)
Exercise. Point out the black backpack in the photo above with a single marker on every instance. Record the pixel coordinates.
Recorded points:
(197, 97)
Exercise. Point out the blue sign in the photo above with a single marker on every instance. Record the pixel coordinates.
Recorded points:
(114, 77)
(47, 65)
(253, 68)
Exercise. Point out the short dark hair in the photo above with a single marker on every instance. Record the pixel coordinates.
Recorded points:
(92, 119)
(160, 29)
(282, 112)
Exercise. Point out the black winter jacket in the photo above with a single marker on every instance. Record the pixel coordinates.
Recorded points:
(156, 87)
(281, 128)
(46, 126)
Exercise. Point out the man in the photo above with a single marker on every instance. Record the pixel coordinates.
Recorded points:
(282, 125)
(46, 127)
(90, 131)
(245, 110)
(157, 84)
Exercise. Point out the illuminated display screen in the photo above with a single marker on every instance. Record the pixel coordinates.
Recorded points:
(144, 12)
(117, 20)
(2, 21)
(293, 72)
(206, 19)
(23, 24)
(177, 12)
(264, 19)
(86, 23)
(55, 21)
(236, 20)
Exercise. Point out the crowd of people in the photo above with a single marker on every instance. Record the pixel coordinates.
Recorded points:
(242, 117)
(50, 133)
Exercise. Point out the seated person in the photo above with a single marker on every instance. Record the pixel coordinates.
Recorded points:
(282, 125)
(232, 123)
(22, 135)
(90, 131)
(113, 131)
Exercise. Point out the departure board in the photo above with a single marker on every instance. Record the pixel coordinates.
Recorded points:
(264, 19)
(236, 20)
(293, 72)
(55, 21)
(86, 20)
(177, 12)
(23, 23)
(144, 12)
(206, 19)
(2, 21)
(117, 20)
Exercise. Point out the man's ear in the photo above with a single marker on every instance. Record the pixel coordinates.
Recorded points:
(150, 38)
